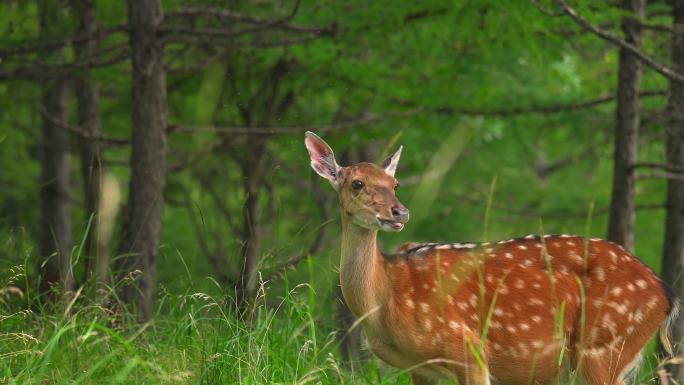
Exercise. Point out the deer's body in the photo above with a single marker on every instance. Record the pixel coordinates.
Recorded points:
(521, 311)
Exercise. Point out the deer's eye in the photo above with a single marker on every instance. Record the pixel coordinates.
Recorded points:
(357, 185)
(396, 186)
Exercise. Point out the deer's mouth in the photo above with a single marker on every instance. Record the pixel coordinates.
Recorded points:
(390, 224)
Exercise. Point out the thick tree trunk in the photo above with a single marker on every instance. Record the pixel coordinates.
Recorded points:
(621, 220)
(141, 235)
(89, 119)
(55, 227)
(673, 248)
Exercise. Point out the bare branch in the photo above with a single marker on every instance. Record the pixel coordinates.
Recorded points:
(365, 119)
(35, 46)
(85, 134)
(634, 50)
(262, 24)
(661, 175)
(550, 109)
(661, 166)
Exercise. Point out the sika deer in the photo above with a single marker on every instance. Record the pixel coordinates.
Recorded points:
(508, 310)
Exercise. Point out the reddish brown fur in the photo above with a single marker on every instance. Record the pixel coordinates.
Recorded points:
(624, 301)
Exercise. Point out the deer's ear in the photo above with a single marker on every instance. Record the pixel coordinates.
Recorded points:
(322, 158)
(390, 164)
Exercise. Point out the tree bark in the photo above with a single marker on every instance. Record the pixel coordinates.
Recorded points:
(253, 171)
(621, 219)
(55, 227)
(142, 230)
(673, 248)
(89, 120)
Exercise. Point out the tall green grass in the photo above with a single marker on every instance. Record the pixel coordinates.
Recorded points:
(194, 339)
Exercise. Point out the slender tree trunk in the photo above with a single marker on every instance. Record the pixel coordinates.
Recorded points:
(55, 227)
(141, 235)
(89, 119)
(253, 171)
(621, 220)
(673, 248)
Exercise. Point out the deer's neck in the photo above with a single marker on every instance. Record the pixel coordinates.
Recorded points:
(362, 273)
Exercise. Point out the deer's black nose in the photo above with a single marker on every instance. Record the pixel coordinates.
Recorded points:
(400, 214)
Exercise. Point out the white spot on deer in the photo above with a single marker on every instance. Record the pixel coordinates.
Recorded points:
(454, 325)
(433, 289)
(475, 317)
(620, 308)
(469, 245)
(410, 304)
(454, 277)
(616, 291)
(445, 263)
(630, 329)
(565, 236)
(511, 328)
(428, 324)
(443, 247)
(631, 287)
(652, 302)
(508, 256)
(519, 283)
(503, 289)
(600, 274)
(412, 289)
(490, 278)
(501, 242)
(492, 255)
(495, 325)
(595, 239)
(463, 305)
(522, 247)
(537, 344)
(517, 306)
(473, 300)
(613, 256)
(424, 307)
(496, 346)
(536, 285)
(595, 351)
(535, 302)
(450, 299)
(536, 319)
(440, 319)
(489, 250)
(570, 243)
(641, 283)
(638, 315)
(528, 262)
(524, 326)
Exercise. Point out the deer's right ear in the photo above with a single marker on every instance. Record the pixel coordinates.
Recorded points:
(322, 158)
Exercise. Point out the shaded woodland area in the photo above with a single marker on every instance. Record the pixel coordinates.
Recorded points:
(152, 158)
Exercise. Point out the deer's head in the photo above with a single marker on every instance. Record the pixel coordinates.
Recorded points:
(367, 192)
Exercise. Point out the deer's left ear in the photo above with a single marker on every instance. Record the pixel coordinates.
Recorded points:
(390, 164)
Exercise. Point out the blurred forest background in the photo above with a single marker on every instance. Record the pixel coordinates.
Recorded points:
(160, 222)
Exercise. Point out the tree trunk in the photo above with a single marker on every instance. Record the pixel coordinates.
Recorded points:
(253, 172)
(89, 120)
(621, 220)
(142, 230)
(55, 227)
(673, 248)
